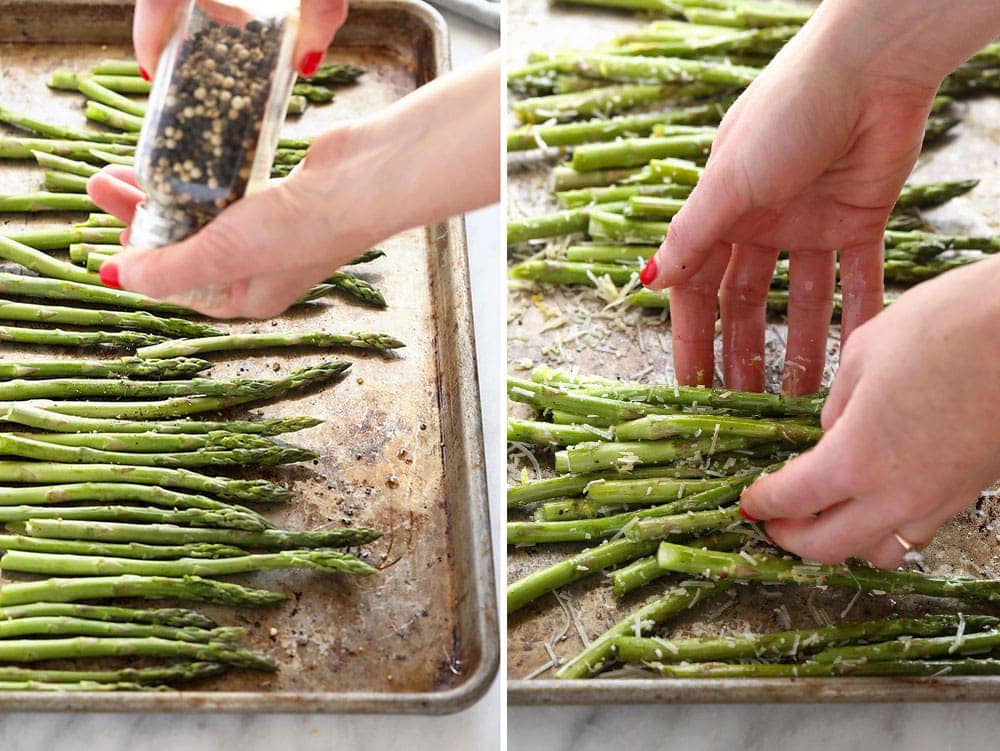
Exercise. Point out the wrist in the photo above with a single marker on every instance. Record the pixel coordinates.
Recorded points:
(912, 42)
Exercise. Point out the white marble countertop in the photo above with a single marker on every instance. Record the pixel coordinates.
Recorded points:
(760, 727)
(477, 727)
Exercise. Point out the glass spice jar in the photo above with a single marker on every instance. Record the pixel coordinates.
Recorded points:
(215, 111)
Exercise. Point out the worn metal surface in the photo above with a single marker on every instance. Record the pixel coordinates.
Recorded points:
(617, 342)
(402, 442)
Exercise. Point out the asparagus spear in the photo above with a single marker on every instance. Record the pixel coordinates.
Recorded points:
(79, 252)
(65, 626)
(574, 199)
(368, 256)
(600, 651)
(106, 157)
(42, 263)
(147, 587)
(50, 131)
(49, 452)
(23, 148)
(102, 220)
(605, 225)
(914, 668)
(31, 497)
(642, 69)
(177, 617)
(64, 182)
(531, 491)
(101, 113)
(59, 338)
(252, 491)
(356, 287)
(590, 131)
(656, 427)
(925, 195)
(605, 100)
(699, 562)
(139, 320)
(33, 650)
(62, 237)
(45, 201)
(154, 442)
(335, 73)
(547, 434)
(573, 568)
(131, 367)
(167, 534)
(228, 517)
(653, 207)
(94, 565)
(241, 342)
(642, 571)
(95, 261)
(315, 93)
(738, 402)
(554, 224)
(116, 550)
(42, 419)
(87, 686)
(566, 178)
(160, 674)
(62, 164)
(701, 512)
(594, 456)
(181, 406)
(631, 152)
(94, 89)
(960, 643)
(785, 644)
(75, 388)
(938, 126)
(117, 67)
(568, 272)
(645, 491)
(570, 400)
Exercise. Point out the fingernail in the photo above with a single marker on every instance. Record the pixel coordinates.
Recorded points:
(109, 276)
(743, 511)
(145, 74)
(649, 272)
(310, 63)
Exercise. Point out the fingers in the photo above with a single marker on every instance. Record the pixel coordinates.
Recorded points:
(862, 286)
(154, 20)
(808, 484)
(712, 208)
(320, 20)
(743, 303)
(115, 191)
(257, 297)
(812, 278)
(839, 532)
(693, 306)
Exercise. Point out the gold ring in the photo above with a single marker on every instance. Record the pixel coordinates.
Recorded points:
(907, 545)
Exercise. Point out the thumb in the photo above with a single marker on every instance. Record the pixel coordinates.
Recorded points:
(712, 208)
(154, 20)
(320, 19)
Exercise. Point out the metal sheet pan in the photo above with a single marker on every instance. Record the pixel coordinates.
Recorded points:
(402, 442)
(636, 345)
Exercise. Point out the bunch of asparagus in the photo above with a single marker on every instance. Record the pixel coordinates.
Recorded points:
(646, 481)
(637, 116)
(109, 480)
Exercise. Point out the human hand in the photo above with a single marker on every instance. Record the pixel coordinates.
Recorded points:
(810, 160)
(912, 428)
(319, 21)
(429, 156)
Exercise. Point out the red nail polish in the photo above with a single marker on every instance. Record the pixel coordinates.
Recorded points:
(310, 63)
(743, 511)
(649, 272)
(109, 276)
(145, 74)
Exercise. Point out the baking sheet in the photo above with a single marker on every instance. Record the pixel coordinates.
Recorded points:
(635, 345)
(422, 636)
